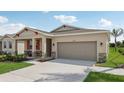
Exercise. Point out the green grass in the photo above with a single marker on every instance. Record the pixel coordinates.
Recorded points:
(10, 66)
(103, 77)
(114, 59)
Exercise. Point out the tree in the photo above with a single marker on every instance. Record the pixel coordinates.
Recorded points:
(116, 33)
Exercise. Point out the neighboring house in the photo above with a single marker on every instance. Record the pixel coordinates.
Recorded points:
(8, 43)
(66, 42)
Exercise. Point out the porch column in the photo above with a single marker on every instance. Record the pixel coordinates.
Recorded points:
(43, 46)
(33, 47)
(14, 47)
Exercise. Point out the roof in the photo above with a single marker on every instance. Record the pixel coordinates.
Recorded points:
(64, 28)
(33, 29)
(67, 29)
(37, 30)
(9, 35)
(60, 31)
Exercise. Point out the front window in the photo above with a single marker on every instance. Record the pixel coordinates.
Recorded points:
(10, 44)
(37, 44)
(4, 44)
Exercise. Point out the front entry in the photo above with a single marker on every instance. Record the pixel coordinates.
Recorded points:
(48, 47)
(20, 47)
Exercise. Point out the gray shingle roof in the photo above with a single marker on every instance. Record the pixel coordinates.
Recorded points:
(11, 35)
(64, 29)
(67, 29)
(34, 29)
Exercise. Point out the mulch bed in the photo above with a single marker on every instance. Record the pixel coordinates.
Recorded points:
(121, 66)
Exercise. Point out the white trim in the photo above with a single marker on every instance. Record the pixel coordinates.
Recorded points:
(107, 49)
(56, 49)
(80, 33)
(71, 34)
(97, 50)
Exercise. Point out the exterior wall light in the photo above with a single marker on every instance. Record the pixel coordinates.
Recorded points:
(53, 44)
(101, 43)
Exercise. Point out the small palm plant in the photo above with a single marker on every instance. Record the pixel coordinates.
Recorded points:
(116, 33)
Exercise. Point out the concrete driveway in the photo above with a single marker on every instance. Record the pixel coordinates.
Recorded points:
(58, 70)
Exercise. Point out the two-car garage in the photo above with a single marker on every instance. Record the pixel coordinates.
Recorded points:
(77, 50)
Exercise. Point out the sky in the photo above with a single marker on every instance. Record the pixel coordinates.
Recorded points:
(13, 21)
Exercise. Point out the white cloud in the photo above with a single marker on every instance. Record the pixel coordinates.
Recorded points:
(3, 19)
(10, 28)
(120, 38)
(105, 23)
(66, 19)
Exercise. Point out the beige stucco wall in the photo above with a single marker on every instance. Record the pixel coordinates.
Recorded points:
(32, 35)
(12, 50)
(99, 37)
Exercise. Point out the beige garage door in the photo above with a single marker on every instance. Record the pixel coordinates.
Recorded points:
(77, 50)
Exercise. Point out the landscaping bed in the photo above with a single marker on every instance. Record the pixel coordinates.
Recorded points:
(103, 77)
(115, 58)
(45, 59)
(12, 58)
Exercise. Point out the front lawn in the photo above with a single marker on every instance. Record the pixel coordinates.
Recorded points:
(103, 77)
(10, 66)
(114, 59)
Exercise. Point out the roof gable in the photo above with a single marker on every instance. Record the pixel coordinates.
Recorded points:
(8, 36)
(65, 28)
(33, 30)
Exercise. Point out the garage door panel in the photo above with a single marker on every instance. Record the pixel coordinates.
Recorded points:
(77, 50)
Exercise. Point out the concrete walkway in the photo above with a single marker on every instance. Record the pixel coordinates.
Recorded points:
(116, 71)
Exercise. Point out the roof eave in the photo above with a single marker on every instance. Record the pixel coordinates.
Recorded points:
(80, 33)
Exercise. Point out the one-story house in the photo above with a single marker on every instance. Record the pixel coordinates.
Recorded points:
(66, 42)
(79, 43)
(8, 43)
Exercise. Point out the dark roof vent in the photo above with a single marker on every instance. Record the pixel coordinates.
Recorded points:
(26, 29)
(64, 25)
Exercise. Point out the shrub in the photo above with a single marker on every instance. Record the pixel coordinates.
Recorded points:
(118, 44)
(123, 42)
(121, 50)
(3, 58)
(18, 58)
(12, 58)
(122, 45)
(112, 44)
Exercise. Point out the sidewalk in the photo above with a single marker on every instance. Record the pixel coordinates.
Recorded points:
(116, 71)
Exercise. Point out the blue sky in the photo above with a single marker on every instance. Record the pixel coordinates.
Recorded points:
(11, 22)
